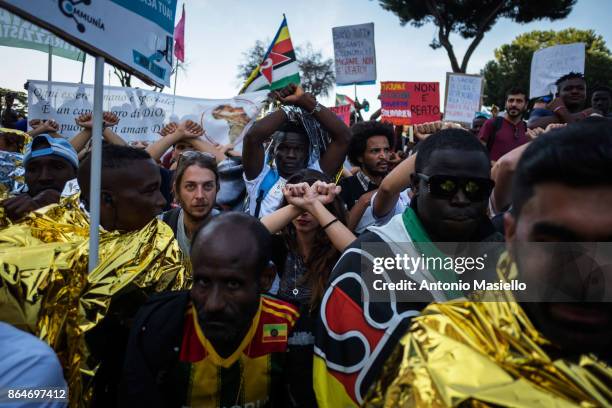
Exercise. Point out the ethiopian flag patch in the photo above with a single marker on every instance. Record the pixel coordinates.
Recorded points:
(273, 333)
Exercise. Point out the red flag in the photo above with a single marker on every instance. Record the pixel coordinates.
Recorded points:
(179, 38)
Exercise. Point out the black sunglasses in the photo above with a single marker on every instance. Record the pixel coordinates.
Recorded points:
(474, 188)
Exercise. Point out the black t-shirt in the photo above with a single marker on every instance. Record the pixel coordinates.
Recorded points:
(352, 189)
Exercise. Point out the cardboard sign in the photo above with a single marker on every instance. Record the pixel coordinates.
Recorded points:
(343, 112)
(463, 97)
(135, 35)
(550, 64)
(354, 54)
(142, 114)
(410, 103)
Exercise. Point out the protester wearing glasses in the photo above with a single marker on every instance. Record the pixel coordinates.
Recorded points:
(196, 184)
(506, 131)
(451, 185)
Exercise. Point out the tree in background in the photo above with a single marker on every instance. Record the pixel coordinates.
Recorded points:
(512, 64)
(316, 72)
(471, 19)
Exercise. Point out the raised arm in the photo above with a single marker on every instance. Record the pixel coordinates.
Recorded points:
(277, 220)
(49, 126)
(253, 151)
(392, 185)
(185, 130)
(313, 199)
(340, 134)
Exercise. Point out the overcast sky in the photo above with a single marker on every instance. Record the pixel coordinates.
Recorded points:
(218, 32)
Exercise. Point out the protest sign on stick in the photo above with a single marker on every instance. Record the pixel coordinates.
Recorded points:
(410, 103)
(354, 54)
(343, 112)
(550, 64)
(142, 114)
(463, 97)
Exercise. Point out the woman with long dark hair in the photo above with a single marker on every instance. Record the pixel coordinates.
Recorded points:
(311, 223)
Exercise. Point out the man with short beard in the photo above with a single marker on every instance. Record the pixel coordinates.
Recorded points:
(507, 131)
(196, 183)
(369, 149)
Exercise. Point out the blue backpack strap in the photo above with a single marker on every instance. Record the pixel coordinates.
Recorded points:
(266, 185)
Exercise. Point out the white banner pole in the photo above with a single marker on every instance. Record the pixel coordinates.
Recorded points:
(96, 165)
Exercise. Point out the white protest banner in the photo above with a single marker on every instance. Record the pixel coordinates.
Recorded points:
(142, 114)
(550, 64)
(17, 32)
(463, 97)
(136, 35)
(354, 54)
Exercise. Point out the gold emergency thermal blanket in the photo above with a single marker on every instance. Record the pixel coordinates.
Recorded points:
(45, 287)
(480, 354)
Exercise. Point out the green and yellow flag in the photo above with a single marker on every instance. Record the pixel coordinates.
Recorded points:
(279, 67)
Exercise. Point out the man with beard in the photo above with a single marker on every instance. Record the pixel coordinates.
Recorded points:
(369, 149)
(49, 163)
(569, 103)
(196, 183)
(359, 326)
(498, 352)
(223, 344)
(506, 132)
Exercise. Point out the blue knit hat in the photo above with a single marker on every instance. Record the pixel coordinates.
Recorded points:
(57, 147)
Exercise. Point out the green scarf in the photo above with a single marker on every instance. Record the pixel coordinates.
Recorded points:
(424, 246)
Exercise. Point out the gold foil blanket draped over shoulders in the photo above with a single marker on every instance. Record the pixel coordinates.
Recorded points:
(481, 354)
(45, 288)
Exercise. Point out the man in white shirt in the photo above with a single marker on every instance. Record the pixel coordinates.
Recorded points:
(293, 148)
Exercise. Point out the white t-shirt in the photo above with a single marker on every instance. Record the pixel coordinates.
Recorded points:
(368, 219)
(274, 198)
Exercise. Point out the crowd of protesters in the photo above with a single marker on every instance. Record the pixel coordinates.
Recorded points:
(281, 310)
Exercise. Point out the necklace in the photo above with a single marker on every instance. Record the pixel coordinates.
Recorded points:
(295, 290)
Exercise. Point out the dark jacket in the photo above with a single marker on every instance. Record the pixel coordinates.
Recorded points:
(151, 361)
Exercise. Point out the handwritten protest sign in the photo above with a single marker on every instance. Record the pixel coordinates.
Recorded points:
(142, 114)
(343, 112)
(410, 103)
(550, 64)
(355, 55)
(463, 97)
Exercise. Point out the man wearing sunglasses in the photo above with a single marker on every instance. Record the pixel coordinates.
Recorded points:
(358, 325)
(527, 350)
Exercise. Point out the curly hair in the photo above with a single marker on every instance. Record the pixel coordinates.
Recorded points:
(323, 255)
(567, 77)
(362, 131)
